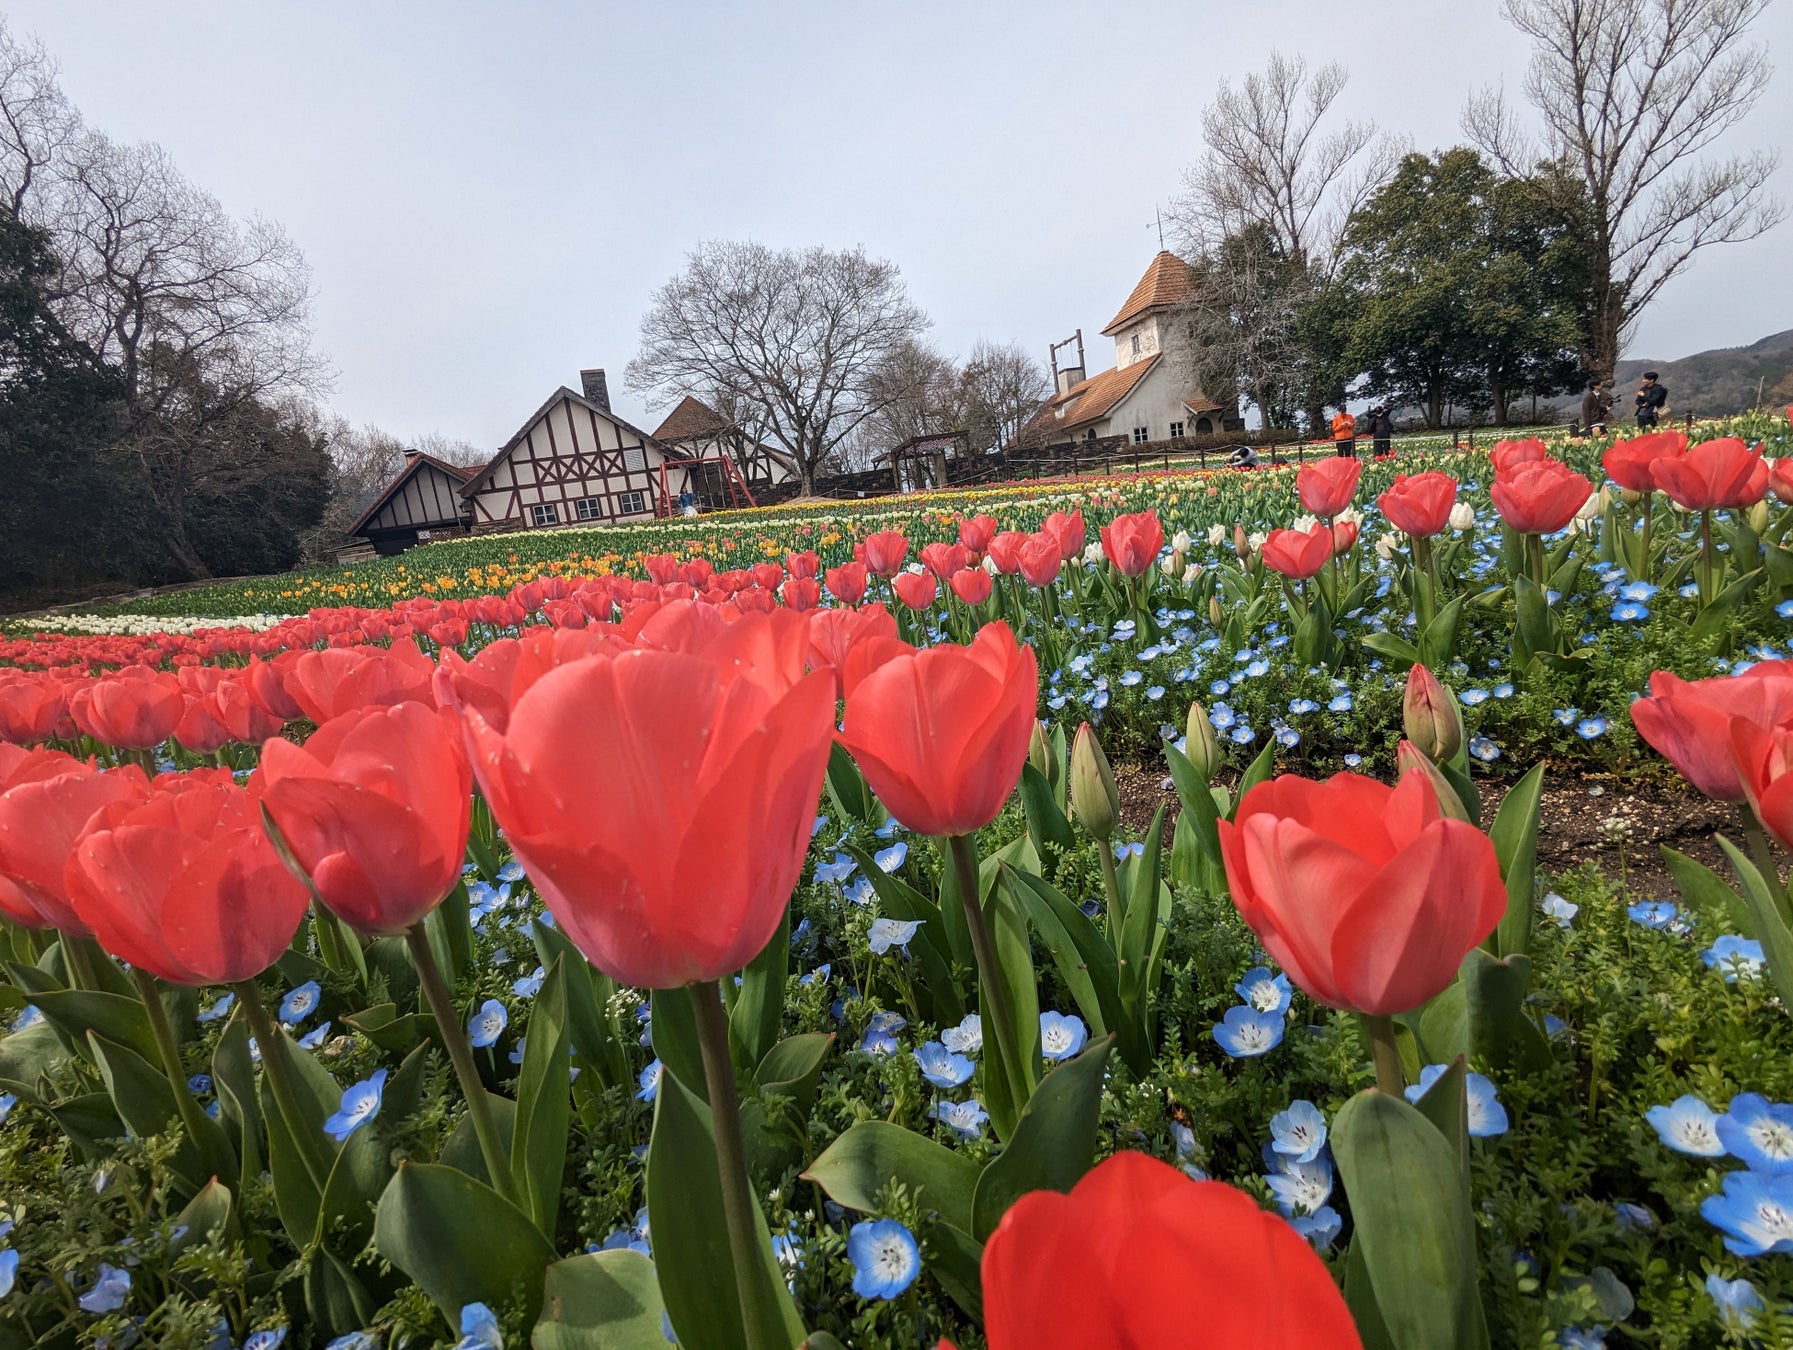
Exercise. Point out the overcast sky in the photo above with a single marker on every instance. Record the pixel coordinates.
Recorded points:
(488, 193)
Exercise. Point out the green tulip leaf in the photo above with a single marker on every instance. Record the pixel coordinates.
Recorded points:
(873, 1152)
(538, 1150)
(1515, 836)
(601, 1301)
(459, 1241)
(1704, 891)
(1053, 1143)
(759, 1003)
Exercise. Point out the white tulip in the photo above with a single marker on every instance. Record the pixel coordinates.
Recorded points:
(1092, 553)
(1462, 517)
(1180, 541)
(1385, 547)
(1191, 572)
(1255, 540)
(1217, 535)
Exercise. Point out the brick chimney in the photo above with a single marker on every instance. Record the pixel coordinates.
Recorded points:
(596, 388)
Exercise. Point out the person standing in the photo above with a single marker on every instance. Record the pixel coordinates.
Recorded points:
(1596, 407)
(1652, 400)
(1344, 433)
(1382, 430)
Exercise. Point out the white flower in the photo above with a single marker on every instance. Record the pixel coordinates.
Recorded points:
(1593, 506)
(1385, 547)
(1350, 513)
(1180, 541)
(1304, 523)
(1216, 535)
(1255, 540)
(1092, 553)
(989, 564)
(1192, 571)
(1171, 566)
(1462, 516)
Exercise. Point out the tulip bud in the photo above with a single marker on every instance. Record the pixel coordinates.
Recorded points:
(1216, 615)
(1429, 715)
(1631, 497)
(1201, 747)
(1241, 549)
(1758, 517)
(1039, 750)
(1094, 796)
(1410, 759)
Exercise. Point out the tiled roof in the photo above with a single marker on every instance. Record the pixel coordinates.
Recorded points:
(1092, 399)
(691, 418)
(1166, 282)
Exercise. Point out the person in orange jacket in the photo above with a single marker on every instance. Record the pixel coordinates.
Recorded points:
(1344, 434)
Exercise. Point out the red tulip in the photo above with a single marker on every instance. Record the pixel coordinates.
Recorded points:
(1132, 542)
(802, 593)
(1005, 551)
(1344, 535)
(134, 709)
(916, 589)
(374, 809)
(945, 559)
(1175, 1255)
(803, 565)
(676, 864)
(1763, 756)
(1298, 554)
(502, 670)
(341, 680)
(243, 714)
(768, 575)
(1540, 496)
(660, 567)
(976, 532)
(971, 584)
(884, 552)
(201, 729)
(852, 642)
(941, 734)
(1419, 505)
(1631, 463)
(1040, 559)
(1365, 894)
(30, 706)
(1327, 486)
(1713, 475)
(1067, 528)
(267, 680)
(846, 583)
(186, 885)
(1688, 722)
(1509, 455)
(44, 805)
(1780, 480)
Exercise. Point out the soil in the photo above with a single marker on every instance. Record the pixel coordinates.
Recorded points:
(1618, 825)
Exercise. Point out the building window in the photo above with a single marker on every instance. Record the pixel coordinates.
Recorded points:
(1136, 344)
(1141, 435)
(589, 508)
(1090, 435)
(1176, 431)
(630, 503)
(544, 513)
(635, 459)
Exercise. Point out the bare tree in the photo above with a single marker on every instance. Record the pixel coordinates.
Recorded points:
(1001, 387)
(917, 390)
(1630, 95)
(36, 119)
(455, 450)
(1268, 160)
(1244, 319)
(796, 334)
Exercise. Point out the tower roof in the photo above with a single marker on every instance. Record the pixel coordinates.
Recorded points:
(1166, 282)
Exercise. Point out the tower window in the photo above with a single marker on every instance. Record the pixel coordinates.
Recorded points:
(1136, 344)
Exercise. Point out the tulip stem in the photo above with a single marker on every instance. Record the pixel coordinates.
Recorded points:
(988, 973)
(753, 1287)
(1644, 568)
(274, 1047)
(1385, 1053)
(460, 1054)
(1111, 884)
(192, 1117)
(1761, 853)
(80, 965)
(1705, 559)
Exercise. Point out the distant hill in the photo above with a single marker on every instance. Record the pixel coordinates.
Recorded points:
(1724, 380)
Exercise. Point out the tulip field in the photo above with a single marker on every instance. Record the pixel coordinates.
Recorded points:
(735, 932)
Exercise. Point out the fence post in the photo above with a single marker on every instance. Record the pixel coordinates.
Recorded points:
(1472, 438)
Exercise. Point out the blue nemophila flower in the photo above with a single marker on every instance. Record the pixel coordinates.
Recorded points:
(270, 1339)
(312, 1039)
(110, 1290)
(1657, 914)
(1581, 1338)
(360, 1104)
(1503, 691)
(1129, 678)
(820, 973)
(1221, 716)
(1062, 1035)
(1299, 1131)
(889, 859)
(861, 891)
(199, 1084)
(1689, 591)
(649, 1082)
(1321, 1228)
(528, 986)
(1245, 1032)
(1487, 1117)
(1735, 956)
(888, 829)
(487, 1024)
(1473, 697)
(820, 825)
(885, 1258)
(1340, 703)
(1591, 728)
(887, 933)
(479, 1329)
(29, 1016)
(300, 1003)
(965, 1119)
(1258, 667)
(1566, 717)
(942, 1067)
(9, 1270)
(1298, 1187)
(1687, 1125)
(1263, 991)
(1353, 760)
(1098, 700)
(1630, 611)
(1219, 688)
(1555, 907)
(880, 1033)
(1484, 749)
(1784, 609)
(1754, 1211)
(1758, 1133)
(1634, 1218)
(837, 871)
(1299, 706)
(1122, 852)
(1155, 692)
(967, 1038)
(1737, 1300)
(1242, 734)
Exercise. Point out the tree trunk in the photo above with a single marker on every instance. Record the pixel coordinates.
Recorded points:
(1497, 389)
(1434, 406)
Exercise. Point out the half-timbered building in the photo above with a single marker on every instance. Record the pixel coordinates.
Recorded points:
(422, 503)
(695, 431)
(574, 462)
